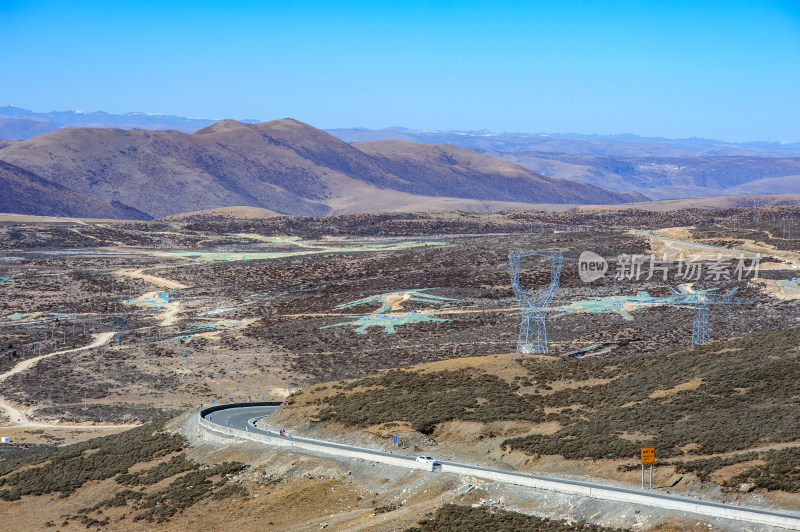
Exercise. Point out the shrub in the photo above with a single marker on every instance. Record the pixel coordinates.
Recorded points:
(746, 397)
(426, 399)
(176, 464)
(66, 469)
(780, 472)
(467, 519)
(188, 490)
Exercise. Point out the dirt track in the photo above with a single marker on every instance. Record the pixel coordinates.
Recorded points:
(677, 241)
(171, 308)
(158, 281)
(17, 417)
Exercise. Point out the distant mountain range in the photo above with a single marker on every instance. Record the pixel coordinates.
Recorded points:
(658, 168)
(18, 123)
(284, 165)
(615, 145)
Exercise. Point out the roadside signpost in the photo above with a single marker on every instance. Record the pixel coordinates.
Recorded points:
(648, 457)
(395, 440)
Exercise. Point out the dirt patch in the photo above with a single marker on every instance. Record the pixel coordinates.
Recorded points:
(725, 473)
(152, 279)
(688, 385)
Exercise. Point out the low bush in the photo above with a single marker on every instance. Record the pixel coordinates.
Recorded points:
(189, 489)
(780, 472)
(176, 464)
(720, 397)
(67, 468)
(745, 395)
(426, 399)
(466, 519)
(704, 467)
(230, 490)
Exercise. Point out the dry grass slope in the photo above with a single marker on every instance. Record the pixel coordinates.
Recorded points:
(724, 397)
(67, 469)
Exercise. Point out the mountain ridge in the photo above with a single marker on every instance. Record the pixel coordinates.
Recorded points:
(657, 168)
(599, 144)
(26, 193)
(620, 162)
(282, 165)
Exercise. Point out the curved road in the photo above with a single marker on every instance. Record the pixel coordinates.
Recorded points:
(239, 417)
(650, 233)
(242, 417)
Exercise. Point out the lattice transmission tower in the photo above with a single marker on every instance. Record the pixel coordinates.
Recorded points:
(534, 309)
(702, 309)
(185, 354)
(119, 330)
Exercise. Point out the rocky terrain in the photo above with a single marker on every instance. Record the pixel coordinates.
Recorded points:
(357, 319)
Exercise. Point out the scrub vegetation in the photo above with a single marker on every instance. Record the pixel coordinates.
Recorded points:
(721, 397)
(465, 519)
(448, 395)
(67, 469)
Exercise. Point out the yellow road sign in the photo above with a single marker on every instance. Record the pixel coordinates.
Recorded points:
(648, 455)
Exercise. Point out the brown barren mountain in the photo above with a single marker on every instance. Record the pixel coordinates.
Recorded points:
(284, 165)
(441, 169)
(24, 192)
(223, 213)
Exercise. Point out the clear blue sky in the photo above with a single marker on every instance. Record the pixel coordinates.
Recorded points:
(727, 70)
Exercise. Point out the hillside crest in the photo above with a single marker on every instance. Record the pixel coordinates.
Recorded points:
(283, 165)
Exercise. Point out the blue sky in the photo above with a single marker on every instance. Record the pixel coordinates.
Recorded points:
(726, 70)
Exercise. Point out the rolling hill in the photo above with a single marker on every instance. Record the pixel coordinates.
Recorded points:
(223, 213)
(284, 165)
(668, 177)
(26, 193)
(656, 167)
(23, 128)
(620, 145)
(442, 169)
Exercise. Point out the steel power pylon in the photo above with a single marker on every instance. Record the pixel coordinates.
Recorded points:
(702, 309)
(119, 329)
(534, 309)
(185, 354)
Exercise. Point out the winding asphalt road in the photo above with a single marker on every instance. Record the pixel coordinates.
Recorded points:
(242, 418)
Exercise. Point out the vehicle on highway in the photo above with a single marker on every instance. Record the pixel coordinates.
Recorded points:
(428, 460)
